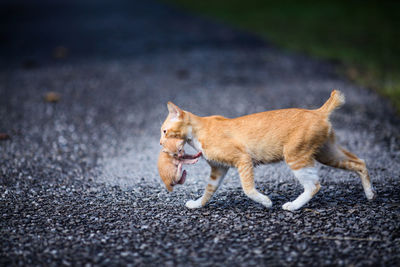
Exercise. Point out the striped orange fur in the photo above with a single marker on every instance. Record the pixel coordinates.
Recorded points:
(298, 136)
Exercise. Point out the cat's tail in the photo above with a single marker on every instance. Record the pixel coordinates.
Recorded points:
(336, 100)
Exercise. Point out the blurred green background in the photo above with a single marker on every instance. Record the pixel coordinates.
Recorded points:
(361, 36)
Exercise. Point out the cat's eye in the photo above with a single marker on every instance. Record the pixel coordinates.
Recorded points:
(165, 131)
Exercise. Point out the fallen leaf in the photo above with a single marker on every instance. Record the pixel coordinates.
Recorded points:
(52, 97)
(352, 73)
(29, 64)
(182, 74)
(60, 52)
(4, 136)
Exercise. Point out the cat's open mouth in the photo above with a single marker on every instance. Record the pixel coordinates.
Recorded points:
(187, 156)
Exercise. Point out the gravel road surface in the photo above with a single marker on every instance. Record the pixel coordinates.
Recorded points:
(78, 176)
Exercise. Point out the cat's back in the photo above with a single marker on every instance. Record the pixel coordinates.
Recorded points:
(278, 116)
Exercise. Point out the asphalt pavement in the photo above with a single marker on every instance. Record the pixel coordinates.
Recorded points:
(78, 175)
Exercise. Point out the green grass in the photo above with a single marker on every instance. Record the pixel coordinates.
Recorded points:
(364, 36)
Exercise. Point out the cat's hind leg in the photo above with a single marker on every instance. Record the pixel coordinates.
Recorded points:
(303, 167)
(214, 181)
(309, 179)
(333, 155)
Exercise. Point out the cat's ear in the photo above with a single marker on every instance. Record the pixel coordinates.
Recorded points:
(175, 112)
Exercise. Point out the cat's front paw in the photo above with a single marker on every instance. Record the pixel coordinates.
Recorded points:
(193, 204)
(266, 202)
(290, 206)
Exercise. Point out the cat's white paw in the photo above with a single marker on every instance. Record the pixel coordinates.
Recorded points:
(290, 206)
(193, 204)
(266, 202)
(370, 194)
(260, 198)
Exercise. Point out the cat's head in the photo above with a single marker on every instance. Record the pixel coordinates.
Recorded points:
(175, 125)
(174, 147)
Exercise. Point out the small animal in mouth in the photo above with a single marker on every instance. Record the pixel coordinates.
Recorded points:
(171, 158)
(300, 137)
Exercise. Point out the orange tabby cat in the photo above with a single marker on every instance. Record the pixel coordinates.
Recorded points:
(170, 161)
(298, 136)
